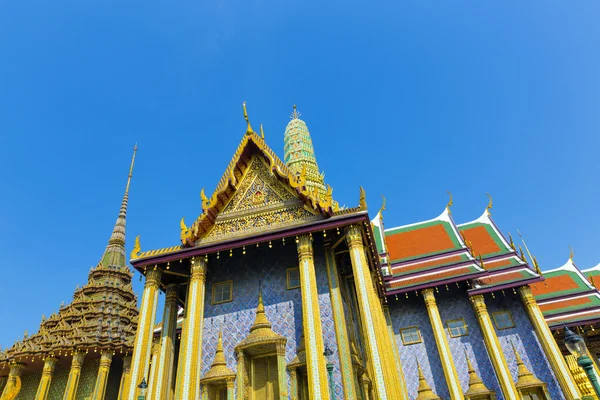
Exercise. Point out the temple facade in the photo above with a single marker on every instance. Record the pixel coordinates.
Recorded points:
(276, 292)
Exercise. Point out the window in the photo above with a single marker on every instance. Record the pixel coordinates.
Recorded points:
(503, 320)
(222, 292)
(293, 278)
(410, 335)
(457, 327)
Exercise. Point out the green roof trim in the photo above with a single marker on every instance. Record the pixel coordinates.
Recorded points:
(581, 285)
(463, 257)
(514, 262)
(493, 234)
(378, 238)
(594, 302)
(471, 270)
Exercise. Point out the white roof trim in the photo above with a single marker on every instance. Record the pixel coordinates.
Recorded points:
(596, 268)
(573, 315)
(485, 219)
(433, 273)
(550, 301)
(570, 266)
(444, 216)
(438, 257)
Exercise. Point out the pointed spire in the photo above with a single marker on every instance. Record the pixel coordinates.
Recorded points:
(299, 153)
(489, 206)
(114, 255)
(261, 321)
(424, 391)
(249, 130)
(525, 376)
(449, 201)
(476, 385)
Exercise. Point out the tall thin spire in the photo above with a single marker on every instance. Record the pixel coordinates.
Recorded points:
(114, 255)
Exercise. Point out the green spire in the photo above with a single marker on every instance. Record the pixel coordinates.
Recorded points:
(299, 153)
(114, 255)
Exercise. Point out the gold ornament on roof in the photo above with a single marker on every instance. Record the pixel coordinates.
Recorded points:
(363, 199)
(249, 130)
(449, 201)
(137, 248)
(571, 253)
(262, 132)
(489, 206)
(382, 209)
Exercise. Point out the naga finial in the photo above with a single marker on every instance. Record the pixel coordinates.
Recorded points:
(262, 132)
(137, 248)
(449, 202)
(489, 206)
(204, 199)
(363, 199)
(249, 128)
(382, 209)
(572, 253)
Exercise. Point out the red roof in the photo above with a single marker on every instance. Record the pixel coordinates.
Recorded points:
(482, 242)
(413, 243)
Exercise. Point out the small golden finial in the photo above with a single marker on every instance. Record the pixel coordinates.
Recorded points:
(449, 202)
(249, 128)
(295, 113)
(489, 206)
(572, 253)
(135, 253)
(131, 169)
(512, 244)
(363, 199)
(262, 132)
(382, 209)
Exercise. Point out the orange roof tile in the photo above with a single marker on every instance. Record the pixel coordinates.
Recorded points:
(494, 279)
(466, 270)
(413, 243)
(483, 243)
(558, 283)
(429, 263)
(564, 304)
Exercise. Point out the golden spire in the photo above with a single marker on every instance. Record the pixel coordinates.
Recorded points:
(295, 113)
(262, 132)
(489, 206)
(571, 253)
(218, 369)
(131, 169)
(525, 376)
(476, 385)
(424, 391)
(261, 321)
(512, 244)
(363, 199)
(449, 202)
(249, 128)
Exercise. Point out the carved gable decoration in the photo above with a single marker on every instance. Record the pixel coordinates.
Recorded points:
(261, 202)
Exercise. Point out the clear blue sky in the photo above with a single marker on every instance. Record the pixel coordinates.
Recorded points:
(407, 98)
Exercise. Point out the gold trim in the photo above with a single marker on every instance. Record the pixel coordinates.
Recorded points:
(407, 343)
(214, 285)
(454, 320)
(287, 278)
(509, 317)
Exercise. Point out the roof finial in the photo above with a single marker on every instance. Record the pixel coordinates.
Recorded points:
(249, 128)
(572, 253)
(131, 168)
(382, 209)
(489, 206)
(525, 244)
(262, 133)
(449, 202)
(295, 113)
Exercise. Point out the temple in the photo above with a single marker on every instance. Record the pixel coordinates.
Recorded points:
(276, 292)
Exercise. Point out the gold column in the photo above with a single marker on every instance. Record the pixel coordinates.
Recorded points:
(164, 365)
(442, 345)
(190, 352)
(492, 344)
(143, 337)
(153, 368)
(385, 383)
(74, 374)
(241, 384)
(47, 372)
(311, 321)
(283, 393)
(230, 391)
(339, 320)
(397, 361)
(16, 369)
(102, 377)
(557, 362)
(294, 384)
(125, 377)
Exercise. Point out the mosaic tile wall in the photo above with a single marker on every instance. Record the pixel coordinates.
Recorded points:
(283, 307)
(525, 340)
(114, 379)
(3, 380)
(87, 380)
(59, 381)
(29, 385)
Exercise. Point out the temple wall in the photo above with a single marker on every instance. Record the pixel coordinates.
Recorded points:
(525, 340)
(114, 379)
(87, 380)
(59, 381)
(29, 385)
(283, 307)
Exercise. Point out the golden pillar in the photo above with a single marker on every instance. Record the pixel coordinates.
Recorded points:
(557, 362)
(230, 389)
(379, 362)
(153, 368)
(294, 384)
(281, 375)
(74, 374)
(16, 369)
(240, 376)
(492, 344)
(125, 378)
(102, 377)
(397, 361)
(47, 372)
(311, 320)
(442, 345)
(190, 352)
(143, 337)
(339, 320)
(164, 376)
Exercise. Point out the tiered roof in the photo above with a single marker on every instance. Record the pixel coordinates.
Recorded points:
(103, 313)
(437, 252)
(569, 296)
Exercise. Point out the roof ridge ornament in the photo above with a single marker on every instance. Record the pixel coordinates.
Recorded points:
(449, 202)
(262, 132)
(489, 206)
(249, 130)
(382, 209)
(295, 114)
(571, 254)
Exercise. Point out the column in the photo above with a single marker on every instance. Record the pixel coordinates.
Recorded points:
(16, 369)
(311, 321)
(47, 372)
(442, 345)
(557, 362)
(152, 376)
(494, 350)
(230, 391)
(294, 384)
(125, 378)
(241, 384)
(166, 355)
(204, 392)
(143, 337)
(190, 352)
(368, 311)
(397, 362)
(102, 377)
(74, 374)
(281, 375)
(339, 320)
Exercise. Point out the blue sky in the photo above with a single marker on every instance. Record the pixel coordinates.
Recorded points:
(408, 99)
